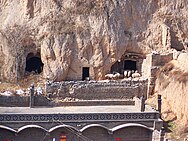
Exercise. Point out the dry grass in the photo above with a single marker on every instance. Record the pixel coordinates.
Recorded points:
(23, 84)
(36, 79)
(167, 68)
(173, 72)
(182, 77)
(179, 133)
(170, 71)
(8, 86)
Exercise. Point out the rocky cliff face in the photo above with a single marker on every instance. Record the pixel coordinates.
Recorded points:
(172, 84)
(71, 34)
(68, 35)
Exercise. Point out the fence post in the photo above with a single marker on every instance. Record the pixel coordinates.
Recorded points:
(31, 100)
(142, 104)
(162, 134)
(159, 104)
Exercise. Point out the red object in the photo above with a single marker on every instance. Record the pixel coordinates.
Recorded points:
(5, 140)
(63, 138)
(118, 139)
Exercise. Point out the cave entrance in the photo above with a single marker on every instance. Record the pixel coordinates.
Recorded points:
(34, 63)
(130, 65)
(85, 73)
(117, 67)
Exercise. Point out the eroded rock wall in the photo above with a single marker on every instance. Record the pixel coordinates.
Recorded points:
(71, 34)
(172, 85)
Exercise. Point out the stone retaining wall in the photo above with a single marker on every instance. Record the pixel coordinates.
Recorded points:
(83, 93)
(22, 101)
(90, 90)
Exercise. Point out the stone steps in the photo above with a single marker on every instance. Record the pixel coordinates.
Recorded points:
(93, 102)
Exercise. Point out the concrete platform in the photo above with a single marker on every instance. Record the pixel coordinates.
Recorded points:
(72, 110)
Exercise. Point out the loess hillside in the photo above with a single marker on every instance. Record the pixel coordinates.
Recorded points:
(63, 36)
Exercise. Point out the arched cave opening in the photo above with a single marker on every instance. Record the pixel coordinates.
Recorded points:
(34, 63)
(130, 65)
(117, 67)
(121, 65)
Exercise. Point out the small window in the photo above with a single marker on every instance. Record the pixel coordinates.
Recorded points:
(85, 73)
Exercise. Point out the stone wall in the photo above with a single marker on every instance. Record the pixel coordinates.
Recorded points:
(22, 101)
(91, 126)
(14, 101)
(92, 102)
(90, 134)
(83, 93)
(90, 90)
(151, 65)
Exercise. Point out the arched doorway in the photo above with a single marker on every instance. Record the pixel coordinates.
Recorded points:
(6, 135)
(64, 134)
(133, 133)
(121, 65)
(117, 67)
(130, 65)
(31, 134)
(96, 133)
(34, 63)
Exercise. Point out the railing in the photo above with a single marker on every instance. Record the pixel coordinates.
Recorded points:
(142, 116)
